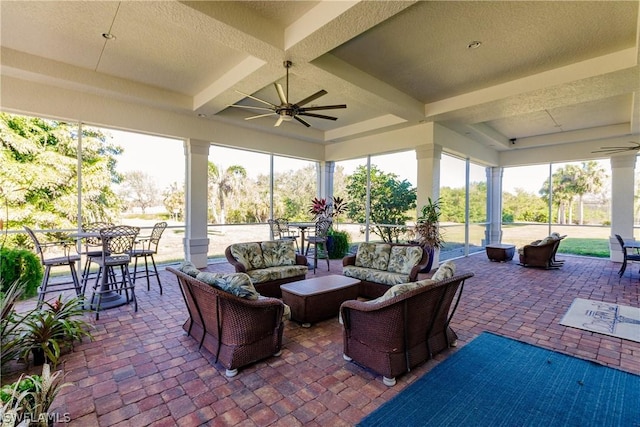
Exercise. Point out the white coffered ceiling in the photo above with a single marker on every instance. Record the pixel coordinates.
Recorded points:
(543, 68)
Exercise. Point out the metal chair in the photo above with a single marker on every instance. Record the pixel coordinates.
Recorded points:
(92, 245)
(280, 231)
(67, 259)
(117, 244)
(627, 256)
(319, 242)
(147, 249)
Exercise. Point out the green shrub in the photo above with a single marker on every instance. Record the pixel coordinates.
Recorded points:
(20, 265)
(339, 245)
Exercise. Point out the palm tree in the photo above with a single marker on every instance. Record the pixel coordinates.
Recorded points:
(222, 184)
(589, 180)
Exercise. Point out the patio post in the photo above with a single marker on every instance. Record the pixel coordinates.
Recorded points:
(196, 242)
(622, 197)
(493, 232)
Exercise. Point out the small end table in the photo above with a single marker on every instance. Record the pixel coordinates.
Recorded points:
(500, 252)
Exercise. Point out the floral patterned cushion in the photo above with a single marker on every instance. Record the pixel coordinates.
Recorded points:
(273, 273)
(445, 271)
(404, 258)
(187, 267)
(248, 254)
(400, 289)
(238, 284)
(373, 255)
(277, 253)
(373, 275)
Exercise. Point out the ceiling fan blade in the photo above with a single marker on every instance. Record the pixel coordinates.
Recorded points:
(320, 116)
(324, 107)
(278, 122)
(256, 99)
(311, 98)
(281, 95)
(259, 116)
(302, 121)
(249, 107)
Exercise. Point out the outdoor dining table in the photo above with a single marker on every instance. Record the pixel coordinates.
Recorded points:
(110, 298)
(302, 226)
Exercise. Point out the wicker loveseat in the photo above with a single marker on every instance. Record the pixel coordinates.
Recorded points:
(381, 265)
(237, 330)
(269, 264)
(392, 334)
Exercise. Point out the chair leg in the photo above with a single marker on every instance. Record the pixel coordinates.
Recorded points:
(153, 261)
(43, 285)
(146, 270)
(74, 277)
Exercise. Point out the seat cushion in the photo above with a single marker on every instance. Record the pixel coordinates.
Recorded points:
(187, 267)
(373, 255)
(248, 254)
(400, 289)
(373, 275)
(402, 259)
(278, 253)
(274, 273)
(238, 284)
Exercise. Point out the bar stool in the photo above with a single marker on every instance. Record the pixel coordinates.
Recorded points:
(67, 259)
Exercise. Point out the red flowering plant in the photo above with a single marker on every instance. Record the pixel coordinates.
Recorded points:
(320, 208)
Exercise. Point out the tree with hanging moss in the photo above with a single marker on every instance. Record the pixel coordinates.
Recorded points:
(39, 173)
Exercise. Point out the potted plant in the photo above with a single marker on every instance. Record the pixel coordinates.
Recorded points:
(30, 398)
(49, 330)
(427, 230)
(337, 241)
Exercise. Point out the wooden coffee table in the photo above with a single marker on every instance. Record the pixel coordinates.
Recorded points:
(312, 300)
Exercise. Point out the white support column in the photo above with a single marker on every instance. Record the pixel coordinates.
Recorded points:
(493, 232)
(196, 242)
(428, 162)
(327, 170)
(622, 195)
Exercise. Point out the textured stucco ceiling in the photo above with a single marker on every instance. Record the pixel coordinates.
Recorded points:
(543, 67)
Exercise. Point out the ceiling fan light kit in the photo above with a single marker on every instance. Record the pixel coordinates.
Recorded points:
(287, 111)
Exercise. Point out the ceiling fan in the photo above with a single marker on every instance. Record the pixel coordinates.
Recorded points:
(287, 111)
(613, 150)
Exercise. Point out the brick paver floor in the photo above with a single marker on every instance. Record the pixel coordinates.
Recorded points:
(141, 369)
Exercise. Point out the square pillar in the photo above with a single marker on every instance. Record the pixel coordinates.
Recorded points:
(196, 241)
(622, 197)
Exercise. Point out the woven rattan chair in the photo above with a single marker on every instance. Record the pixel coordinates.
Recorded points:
(319, 242)
(117, 243)
(237, 331)
(393, 336)
(63, 258)
(146, 248)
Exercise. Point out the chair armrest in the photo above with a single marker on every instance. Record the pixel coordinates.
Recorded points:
(233, 261)
(349, 260)
(301, 260)
(422, 264)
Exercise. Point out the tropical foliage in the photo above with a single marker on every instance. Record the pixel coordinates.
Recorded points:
(392, 201)
(39, 173)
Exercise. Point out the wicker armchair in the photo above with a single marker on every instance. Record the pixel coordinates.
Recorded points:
(538, 254)
(237, 331)
(393, 336)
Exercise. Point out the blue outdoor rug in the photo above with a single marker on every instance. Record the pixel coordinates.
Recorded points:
(496, 381)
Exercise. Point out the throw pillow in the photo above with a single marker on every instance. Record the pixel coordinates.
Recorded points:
(248, 254)
(187, 267)
(238, 284)
(373, 255)
(278, 253)
(445, 271)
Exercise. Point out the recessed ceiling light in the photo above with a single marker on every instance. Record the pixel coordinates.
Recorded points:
(108, 36)
(474, 44)
(201, 115)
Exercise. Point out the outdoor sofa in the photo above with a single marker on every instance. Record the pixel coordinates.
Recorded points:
(269, 264)
(381, 265)
(229, 318)
(406, 326)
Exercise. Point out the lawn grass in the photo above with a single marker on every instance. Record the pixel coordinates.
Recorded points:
(586, 247)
